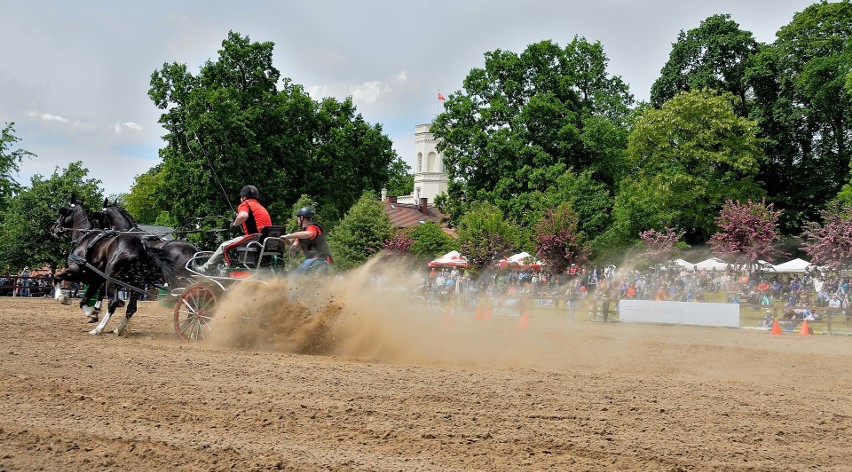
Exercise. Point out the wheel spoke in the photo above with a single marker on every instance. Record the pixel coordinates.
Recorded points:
(194, 312)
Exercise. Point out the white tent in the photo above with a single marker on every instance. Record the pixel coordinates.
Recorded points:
(712, 263)
(683, 263)
(796, 265)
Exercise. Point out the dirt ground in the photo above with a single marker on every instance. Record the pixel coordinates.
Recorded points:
(374, 382)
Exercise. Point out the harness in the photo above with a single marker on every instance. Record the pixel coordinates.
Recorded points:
(83, 260)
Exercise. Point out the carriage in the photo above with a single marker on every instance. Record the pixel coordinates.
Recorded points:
(254, 259)
(256, 254)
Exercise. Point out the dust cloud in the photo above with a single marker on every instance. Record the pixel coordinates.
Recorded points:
(376, 314)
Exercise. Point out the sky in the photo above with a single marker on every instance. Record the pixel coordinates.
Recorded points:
(74, 75)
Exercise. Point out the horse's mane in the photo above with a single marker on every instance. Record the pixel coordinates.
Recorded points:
(124, 214)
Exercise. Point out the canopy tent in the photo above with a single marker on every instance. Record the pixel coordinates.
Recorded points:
(449, 260)
(714, 263)
(796, 265)
(683, 263)
(520, 261)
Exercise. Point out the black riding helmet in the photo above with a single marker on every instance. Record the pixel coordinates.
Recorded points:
(250, 191)
(306, 212)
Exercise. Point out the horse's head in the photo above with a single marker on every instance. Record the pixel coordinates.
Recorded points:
(96, 219)
(117, 218)
(71, 217)
(63, 222)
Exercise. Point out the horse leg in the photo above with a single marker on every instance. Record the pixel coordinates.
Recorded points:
(131, 309)
(114, 303)
(91, 313)
(60, 296)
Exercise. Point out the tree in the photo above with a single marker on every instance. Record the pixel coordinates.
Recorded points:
(485, 236)
(430, 240)
(9, 163)
(25, 238)
(558, 242)
(830, 244)
(714, 55)
(803, 109)
(747, 233)
(145, 200)
(589, 198)
(524, 119)
(400, 243)
(361, 233)
(230, 125)
(660, 246)
(687, 158)
(400, 178)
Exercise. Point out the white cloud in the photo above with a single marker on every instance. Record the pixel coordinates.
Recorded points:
(49, 117)
(119, 127)
(369, 92)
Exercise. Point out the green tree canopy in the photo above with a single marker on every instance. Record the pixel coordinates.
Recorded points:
(230, 125)
(687, 159)
(361, 233)
(714, 55)
(523, 119)
(25, 237)
(430, 241)
(9, 163)
(804, 110)
(485, 236)
(400, 178)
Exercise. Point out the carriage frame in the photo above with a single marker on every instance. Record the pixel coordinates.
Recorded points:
(260, 254)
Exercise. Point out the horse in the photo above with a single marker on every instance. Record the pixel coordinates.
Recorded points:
(116, 218)
(107, 258)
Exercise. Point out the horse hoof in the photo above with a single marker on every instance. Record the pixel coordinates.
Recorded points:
(65, 300)
(92, 319)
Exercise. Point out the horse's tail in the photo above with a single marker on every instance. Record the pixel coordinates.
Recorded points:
(163, 264)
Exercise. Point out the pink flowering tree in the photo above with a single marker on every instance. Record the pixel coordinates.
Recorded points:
(748, 233)
(660, 246)
(400, 243)
(830, 244)
(558, 242)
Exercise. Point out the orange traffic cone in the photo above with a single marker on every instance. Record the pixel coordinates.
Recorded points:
(478, 313)
(776, 329)
(487, 315)
(522, 325)
(805, 331)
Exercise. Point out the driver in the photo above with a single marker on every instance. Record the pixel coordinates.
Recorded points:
(311, 238)
(251, 216)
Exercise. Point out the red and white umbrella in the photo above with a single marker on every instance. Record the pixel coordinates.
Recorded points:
(521, 261)
(449, 260)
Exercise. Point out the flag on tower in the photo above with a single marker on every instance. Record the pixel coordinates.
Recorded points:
(440, 96)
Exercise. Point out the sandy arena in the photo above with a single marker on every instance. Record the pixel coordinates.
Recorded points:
(373, 383)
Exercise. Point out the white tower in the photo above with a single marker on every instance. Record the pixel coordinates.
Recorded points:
(430, 176)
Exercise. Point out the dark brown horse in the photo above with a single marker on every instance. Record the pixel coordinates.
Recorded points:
(110, 259)
(116, 218)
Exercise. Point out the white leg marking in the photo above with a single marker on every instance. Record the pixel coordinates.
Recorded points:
(100, 327)
(60, 296)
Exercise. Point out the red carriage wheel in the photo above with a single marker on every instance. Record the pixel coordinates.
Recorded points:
(194, 313)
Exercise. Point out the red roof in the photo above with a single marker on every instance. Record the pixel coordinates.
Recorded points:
(406, 215)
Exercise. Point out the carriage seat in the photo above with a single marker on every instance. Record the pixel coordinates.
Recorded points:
(254, 249)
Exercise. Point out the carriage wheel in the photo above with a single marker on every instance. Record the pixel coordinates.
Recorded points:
(194, 312)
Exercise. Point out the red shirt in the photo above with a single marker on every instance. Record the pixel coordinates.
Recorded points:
(258, 216)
